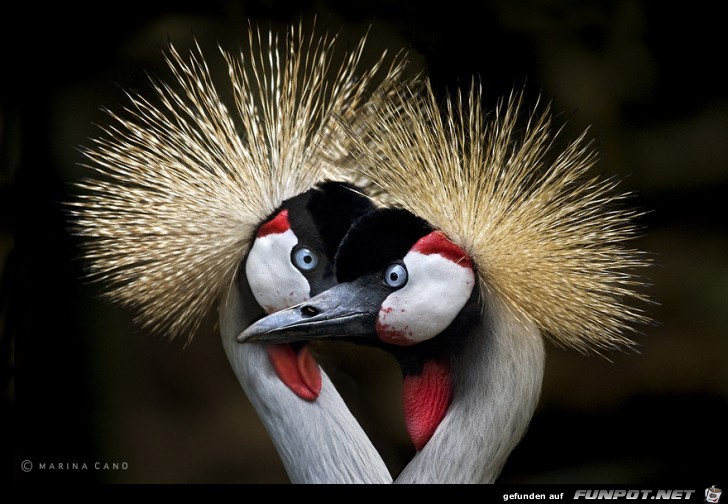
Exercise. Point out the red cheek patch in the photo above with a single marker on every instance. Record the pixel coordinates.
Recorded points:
(437, 243)
(388, 334)
(297, 369)
(279, 224)
(426, 398)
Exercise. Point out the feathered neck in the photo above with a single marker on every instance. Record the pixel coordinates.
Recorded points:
(318, 441)
(497, 370)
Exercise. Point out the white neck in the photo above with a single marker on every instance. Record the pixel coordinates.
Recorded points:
(496, 386)
(318, 441)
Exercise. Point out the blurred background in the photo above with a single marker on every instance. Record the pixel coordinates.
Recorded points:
(83, 384)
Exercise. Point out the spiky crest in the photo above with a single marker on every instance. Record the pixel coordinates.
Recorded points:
(183, 181)
(547, 238)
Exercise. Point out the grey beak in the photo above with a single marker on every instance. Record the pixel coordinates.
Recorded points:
(345, 310)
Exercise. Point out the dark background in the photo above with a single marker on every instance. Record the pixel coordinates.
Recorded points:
(82, 384)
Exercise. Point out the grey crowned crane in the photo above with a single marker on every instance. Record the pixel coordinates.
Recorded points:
(196, 206)
(496, 241)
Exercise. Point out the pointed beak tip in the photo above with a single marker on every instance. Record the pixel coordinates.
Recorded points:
(272, 328)
(247, 336)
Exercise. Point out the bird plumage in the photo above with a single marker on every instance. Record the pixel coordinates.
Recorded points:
(548, 239)
(183, 183)
(477, 196)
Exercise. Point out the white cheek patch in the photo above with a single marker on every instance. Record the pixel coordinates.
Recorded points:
(436, 291)
(274, 281)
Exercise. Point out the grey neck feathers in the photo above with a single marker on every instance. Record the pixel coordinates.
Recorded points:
(318, 441)
(497, 382)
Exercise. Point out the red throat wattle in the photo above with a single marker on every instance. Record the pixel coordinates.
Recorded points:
(297, 368)
(426, 398)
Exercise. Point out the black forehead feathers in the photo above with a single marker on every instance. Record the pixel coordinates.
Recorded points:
(321, 216)
(377, 239)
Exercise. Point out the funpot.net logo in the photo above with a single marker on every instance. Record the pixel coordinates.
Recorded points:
(613, 494)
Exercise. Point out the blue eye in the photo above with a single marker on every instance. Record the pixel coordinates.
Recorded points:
(395, 275)
(305, 259)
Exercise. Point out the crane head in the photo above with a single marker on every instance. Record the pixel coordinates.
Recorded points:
(292, 254)
(404, 285)
(292, 260)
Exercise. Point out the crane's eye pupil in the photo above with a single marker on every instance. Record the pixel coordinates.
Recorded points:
(395, 275)
(304, 259)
